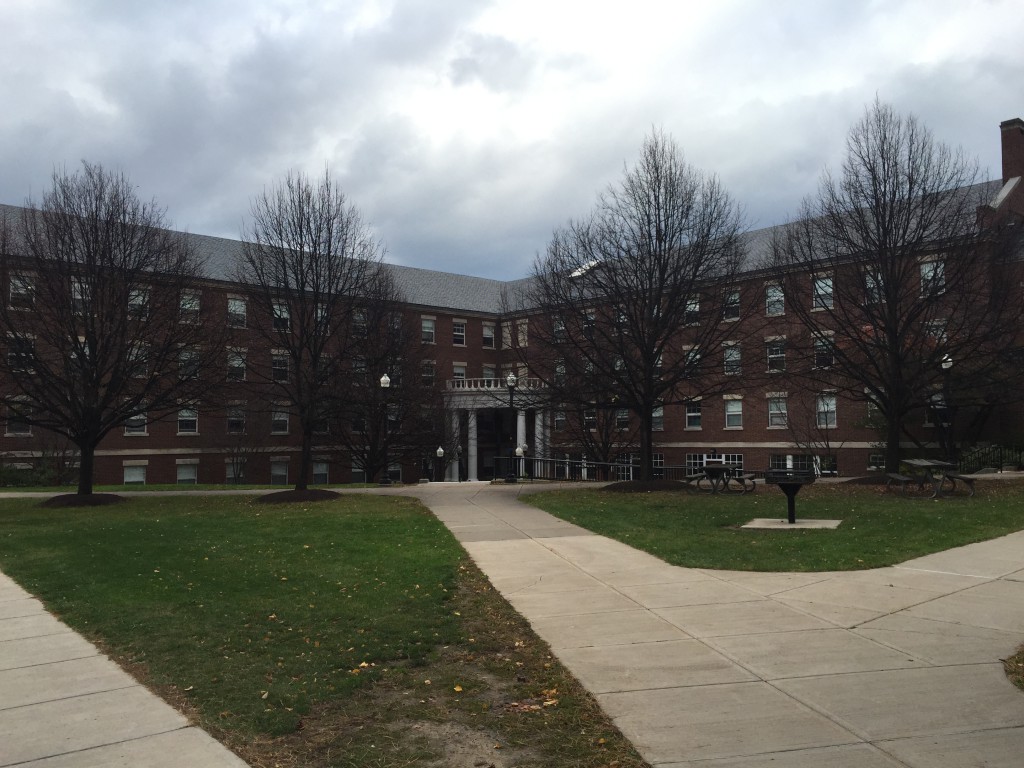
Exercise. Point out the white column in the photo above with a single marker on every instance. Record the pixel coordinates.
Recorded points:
(520, 428)
(452, 473)
(471, 448)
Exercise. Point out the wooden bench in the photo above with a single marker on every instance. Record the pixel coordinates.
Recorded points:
(691, 481)
(748, 478)
(965, 479)
(895, 477)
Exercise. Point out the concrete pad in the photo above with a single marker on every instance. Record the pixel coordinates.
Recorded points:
(30, 651)
(183, 747)
(705, 722)
(941, 643)
(35, 625)
(487, 533)
(913, 578)
(1018, 576)
(67, 725)
(769, 583)
(846, 756)
(993, 559)
(739, 619)
(851, 593)
(1002, 748)
(662, 573)
(914, 702)
(599, 554)
(15, 609)
(837, 615)
(774, 523)
(645, 666)
(552, 581)
(811, 652)
(554, 531)
(995, 604)
(535, 605)
(702, 592)
(61, 680)
(602, 629)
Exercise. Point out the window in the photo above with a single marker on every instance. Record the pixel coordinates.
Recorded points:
(590, 419)
(427, 330)
(821, 293)
(188, 363)
(236, 365)
(187, 474)
(589, 321)
(136, 425)
(732, 358)
(693, 416)
(692, 362)
(778, 415)
(188, 421)
(459, 333)
(560, 373)
(138, 303)
(459, 371)
(135, 475)
(490, 372)
(876, 461)
(282, 315)
(279, 365)
(824, 353)
(488, 335)
(874, 291)
(933, 277)
(622, 418)
(936, 331)
(21, 354)
(138, 361)
(23, 292)
(188, 306)
(234, 470)
(800, 462)
(236, 419)
(18, 421)
(733, 414)
(776, 352)
(428, 372)
(236, 312)
(658, 418)
(320, 475)
(279, 421)
(523, 333)
(826, 410)
(360, 329)
(81, 295)
(559, 419)
(691, 315)
(558, 328)
(279, 473)
(774, 300)
(731, 305)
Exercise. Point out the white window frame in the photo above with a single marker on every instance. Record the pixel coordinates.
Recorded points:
(694, 415)
(237, 312)
(428, 329)
(733, 358)
(457, 334)
(731, 305)
(774, 300)
(933, 276)
(136, 426)
(281, 313)
(733, 411)
(822, 297)
(188, 414)
(277, 477)
(831, 415)
(488, 335)
(21, 293)
(775, 353)
(236, 365)
(279, 421)
(137, 473)
(190, 469)
(778, 410)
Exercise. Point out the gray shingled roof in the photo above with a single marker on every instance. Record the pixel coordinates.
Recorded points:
(444, 290)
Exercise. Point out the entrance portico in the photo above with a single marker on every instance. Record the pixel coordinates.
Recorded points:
(490, 430)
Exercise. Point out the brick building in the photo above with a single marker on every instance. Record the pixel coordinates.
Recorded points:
(471, 343)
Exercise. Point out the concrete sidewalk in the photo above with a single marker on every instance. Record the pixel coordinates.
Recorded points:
(871, 669)
(64, 705)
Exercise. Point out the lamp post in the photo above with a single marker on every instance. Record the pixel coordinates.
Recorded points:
(440, 463)
(385, 384)
(458, 462)
(510, 382)
(947, 409)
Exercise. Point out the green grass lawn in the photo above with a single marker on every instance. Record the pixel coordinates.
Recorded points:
(353, 632)
(879, 527)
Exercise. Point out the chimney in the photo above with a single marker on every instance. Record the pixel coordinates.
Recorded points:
(1013, 148)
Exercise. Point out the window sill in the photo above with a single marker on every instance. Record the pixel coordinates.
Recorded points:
(733, 428)
(778, 426)
(692, 429)
(188, 434)
(17, 434)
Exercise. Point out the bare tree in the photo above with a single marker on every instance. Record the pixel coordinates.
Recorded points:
(307, 263)
(631, 298)
(895, 285)
(93, 313)
(383, 425)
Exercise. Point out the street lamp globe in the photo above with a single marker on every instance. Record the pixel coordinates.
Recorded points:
(385, 381)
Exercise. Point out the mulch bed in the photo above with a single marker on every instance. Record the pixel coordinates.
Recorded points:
(290, 497)
(87, 500)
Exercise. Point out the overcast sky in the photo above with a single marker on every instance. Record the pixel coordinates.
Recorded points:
(466, 131)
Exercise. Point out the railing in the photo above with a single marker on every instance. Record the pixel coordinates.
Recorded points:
(582, 470)
(492, 384)
(995, 456)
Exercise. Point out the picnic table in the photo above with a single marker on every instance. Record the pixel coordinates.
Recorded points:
(937, 473)
(719, 476)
